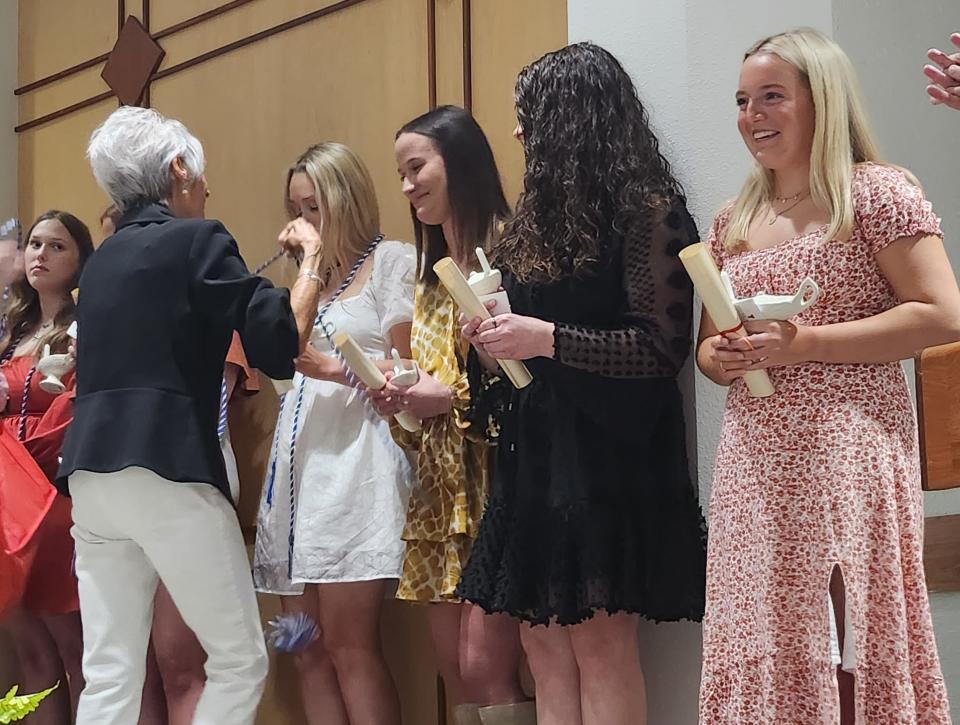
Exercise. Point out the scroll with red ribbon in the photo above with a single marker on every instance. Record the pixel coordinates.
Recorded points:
(706, 278)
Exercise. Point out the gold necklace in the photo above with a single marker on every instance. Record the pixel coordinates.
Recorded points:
(48, 325)
(778, 214)
(785, 199)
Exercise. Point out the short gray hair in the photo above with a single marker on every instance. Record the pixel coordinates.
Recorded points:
(130, 154)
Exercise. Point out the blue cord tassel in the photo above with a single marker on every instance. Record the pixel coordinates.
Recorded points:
(292, 632)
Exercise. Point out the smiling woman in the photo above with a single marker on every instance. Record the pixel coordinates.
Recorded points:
(449, 176)
(816, 513)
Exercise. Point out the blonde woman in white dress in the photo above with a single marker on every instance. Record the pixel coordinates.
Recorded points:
(334, 547)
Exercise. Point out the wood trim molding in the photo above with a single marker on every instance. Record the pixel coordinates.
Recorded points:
(432, 52)
(59, 75)
(145, 98)
(467, 56)
(86, 103)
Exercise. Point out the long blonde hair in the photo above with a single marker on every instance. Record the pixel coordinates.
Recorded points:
(348, 203)
(841, 137)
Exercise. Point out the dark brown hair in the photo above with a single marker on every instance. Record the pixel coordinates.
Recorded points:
(476, 196)
(25, 312)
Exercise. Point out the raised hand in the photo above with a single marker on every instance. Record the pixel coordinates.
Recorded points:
(944, 75)
(300, 234)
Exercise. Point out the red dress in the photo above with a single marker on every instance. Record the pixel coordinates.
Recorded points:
(36, 549)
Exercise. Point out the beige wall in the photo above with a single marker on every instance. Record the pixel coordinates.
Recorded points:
(353, 76)
(8, 109)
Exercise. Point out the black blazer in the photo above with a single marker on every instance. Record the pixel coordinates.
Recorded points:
(158, 304)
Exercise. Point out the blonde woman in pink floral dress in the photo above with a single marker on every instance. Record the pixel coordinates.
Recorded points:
(817, 609)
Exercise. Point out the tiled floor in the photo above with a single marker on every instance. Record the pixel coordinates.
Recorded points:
(946, 622)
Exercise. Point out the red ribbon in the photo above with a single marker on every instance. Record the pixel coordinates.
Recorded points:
(737, 329)
(731, 330)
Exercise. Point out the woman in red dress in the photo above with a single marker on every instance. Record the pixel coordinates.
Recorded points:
(43, 620)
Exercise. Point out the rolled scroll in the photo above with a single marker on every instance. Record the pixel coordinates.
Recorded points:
(706, 278)
(363, 367)
(467, 300)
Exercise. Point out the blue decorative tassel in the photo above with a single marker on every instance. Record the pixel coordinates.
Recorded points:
(292, 632)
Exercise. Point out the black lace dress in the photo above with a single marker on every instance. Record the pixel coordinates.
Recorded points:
(591, 505)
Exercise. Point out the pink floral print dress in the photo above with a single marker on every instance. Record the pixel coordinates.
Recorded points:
(823, 474)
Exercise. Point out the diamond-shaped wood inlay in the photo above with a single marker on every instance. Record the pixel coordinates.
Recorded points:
(134, 59)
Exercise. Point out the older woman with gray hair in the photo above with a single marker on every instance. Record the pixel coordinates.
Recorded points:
(158, 304)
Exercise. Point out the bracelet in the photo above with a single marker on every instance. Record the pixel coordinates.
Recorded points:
(309, 274)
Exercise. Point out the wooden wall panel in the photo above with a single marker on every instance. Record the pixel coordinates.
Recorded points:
(55, 34)
(506, 36)
(256, 109)
(237, 23)
(54, 172)
(354, 76)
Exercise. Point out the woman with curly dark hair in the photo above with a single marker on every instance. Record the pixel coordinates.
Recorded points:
(592, 519)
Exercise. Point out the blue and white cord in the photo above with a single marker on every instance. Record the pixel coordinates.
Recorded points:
(328, 331)
(222, 418)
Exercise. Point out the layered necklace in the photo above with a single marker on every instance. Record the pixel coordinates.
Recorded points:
(791, 201)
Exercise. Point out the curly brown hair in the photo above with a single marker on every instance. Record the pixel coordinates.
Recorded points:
(594, 170)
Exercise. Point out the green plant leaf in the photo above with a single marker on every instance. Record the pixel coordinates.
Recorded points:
(14, 708)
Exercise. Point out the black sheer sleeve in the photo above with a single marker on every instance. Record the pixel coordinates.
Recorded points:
(653, 339)
(224, 289)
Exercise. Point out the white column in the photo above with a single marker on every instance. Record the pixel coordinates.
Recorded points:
(684, 58)
(887, 42)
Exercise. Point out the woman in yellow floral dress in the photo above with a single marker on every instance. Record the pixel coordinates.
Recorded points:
(450, 177)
